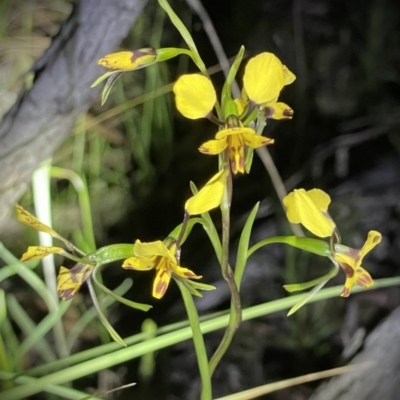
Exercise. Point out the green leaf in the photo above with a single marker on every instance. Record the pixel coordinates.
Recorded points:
(91, 313)
(243, 246)
(320, 284)
(201, 286)
(295, 287)
(113, 252)
(306, 298)
(113, 333)
(315, 246)
(108, 86)
(187, 37)
(102, 78)
(129, 303)
(189, 287)
(227, 89)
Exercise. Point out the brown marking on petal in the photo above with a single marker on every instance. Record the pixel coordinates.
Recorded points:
(354, 253)
(364, 280)
(347, 269)
(75, 272)
(204, 150)
(233, 122)
(376, 239)
(237, 166)
(268, 112)
(191, 274)
(345, 292)
(66, 294)
(161, 288)
(288, 112)
(73, 275)
(103, 62)
(136, 54)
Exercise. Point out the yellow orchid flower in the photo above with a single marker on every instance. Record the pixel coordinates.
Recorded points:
(235, 137)
(155, 255)
(350, 261)
(195, 96)
(129, 60)
(209, 196)
(264, 78)
(310, 208)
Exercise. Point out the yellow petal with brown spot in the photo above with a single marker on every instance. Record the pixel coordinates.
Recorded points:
(69, 281)
(37, 252)
(27, 218)
(161, 282)
(129, 60)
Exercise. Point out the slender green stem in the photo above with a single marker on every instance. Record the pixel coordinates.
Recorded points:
(198, 340)
(84, 202)
(235, 312)
(101, 359)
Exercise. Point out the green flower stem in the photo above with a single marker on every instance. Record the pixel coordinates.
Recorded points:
(198, 340)
(83, 260)
(235, 313)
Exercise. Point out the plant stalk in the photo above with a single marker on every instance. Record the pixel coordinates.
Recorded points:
(198, 340)
(235, 313)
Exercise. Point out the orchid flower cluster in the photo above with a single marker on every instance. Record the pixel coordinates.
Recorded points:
(239, 121)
